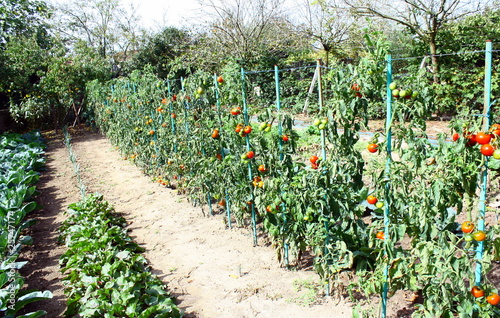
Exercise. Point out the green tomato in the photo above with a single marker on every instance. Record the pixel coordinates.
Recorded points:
(268, 129)
(468, 238)
(395, 92)
(414, 95)
(496, 154)
(393, 86)
(317, 122)
(243, 156)
(402, 93)
(324, 121)
(245, 161)
(321, 126)
(263, 126)
(379, 204)
(200, 90)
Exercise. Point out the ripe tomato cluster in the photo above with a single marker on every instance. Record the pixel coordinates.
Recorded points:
(488, 141)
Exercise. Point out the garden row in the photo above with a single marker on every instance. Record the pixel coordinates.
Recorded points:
(20, 159)
(210, 141)
(106, 274)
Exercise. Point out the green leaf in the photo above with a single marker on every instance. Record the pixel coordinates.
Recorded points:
(30, 298)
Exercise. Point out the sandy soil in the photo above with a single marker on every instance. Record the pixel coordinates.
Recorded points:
(211, 270)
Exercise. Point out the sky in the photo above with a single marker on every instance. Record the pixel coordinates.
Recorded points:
(157, 14)
(160, 13)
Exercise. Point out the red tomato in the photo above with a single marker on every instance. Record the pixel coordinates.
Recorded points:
(467, 227)
(215, 134)
(285, 138)
(174, 97)
(174, 116)
(314, 166)
(355, 87)
(236, 111)
(487, 150)
(250, 154)
(238, 128)
(372, 148)
(313, 159)
(493, 299)
(495, 127)
(247, 129)
(455, 136)
(220, 80)
(262, 168)
(372, 199)
(380, 235)
(483, 138)
(477, 292)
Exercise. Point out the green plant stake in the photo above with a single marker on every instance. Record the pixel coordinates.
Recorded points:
(282, 155)
(247, 138)
(323, 157)
(172, 119)
(484, 172)
(388, 124)
(219, 114)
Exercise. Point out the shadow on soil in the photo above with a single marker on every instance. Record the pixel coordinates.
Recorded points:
(42, 270)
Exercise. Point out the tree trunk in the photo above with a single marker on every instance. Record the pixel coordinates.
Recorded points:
(434, 59)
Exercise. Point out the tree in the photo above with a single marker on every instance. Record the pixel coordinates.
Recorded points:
(328, 26)
(161, 49)
(247, 30)
(424, 19)
(104, 24)
(21, 18)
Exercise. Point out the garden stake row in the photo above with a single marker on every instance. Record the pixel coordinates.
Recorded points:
(305, 189)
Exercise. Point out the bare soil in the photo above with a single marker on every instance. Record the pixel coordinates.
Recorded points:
(211, 270)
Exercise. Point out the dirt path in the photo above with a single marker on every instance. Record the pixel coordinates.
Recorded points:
(57, 188)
